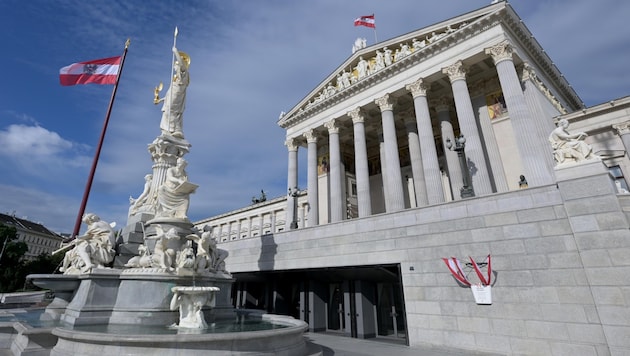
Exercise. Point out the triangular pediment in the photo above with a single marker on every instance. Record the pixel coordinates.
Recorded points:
(384, 56)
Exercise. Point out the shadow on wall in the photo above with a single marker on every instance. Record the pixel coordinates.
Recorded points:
(268, 251)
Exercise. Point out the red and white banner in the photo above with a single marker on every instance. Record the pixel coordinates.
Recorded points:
(367, 21)
(457, 271)
(98, 71)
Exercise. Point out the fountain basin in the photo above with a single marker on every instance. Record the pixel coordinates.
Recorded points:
(285, 341)
(64, 287)
(55, 282)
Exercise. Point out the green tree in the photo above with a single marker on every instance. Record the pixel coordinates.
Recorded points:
(12, 273)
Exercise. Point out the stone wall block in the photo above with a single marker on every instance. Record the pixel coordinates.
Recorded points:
(533, 215)
(559, 226)
(550, 244)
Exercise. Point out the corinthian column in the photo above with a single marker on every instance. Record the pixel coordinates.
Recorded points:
(452, 161)
(395, 199)
(468, 127)
(361, 163)
(431, 166)
(292, 179)
(623, 130)
(532, 151)
(337, 201)
(417, 169)
(312, 186)
(542, 122)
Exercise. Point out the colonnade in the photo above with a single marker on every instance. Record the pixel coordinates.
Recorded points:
(488, 175)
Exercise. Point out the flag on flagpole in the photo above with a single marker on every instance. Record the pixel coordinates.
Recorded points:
(98, 71)
(367, 21)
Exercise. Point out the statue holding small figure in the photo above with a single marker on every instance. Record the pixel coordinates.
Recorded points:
(175, 98)
(570, 146)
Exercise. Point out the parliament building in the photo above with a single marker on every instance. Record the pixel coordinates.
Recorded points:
(435, 147)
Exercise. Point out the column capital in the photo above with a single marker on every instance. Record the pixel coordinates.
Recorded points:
(622, 128)
(332, 126)
(528, 73)
(357, 115)
(385, 103)
(418, 88)
(310, 136)
(455, 71)
(501, 51)
(291, 144)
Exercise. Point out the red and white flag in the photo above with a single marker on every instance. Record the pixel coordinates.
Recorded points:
(367, 21)
(98, 71)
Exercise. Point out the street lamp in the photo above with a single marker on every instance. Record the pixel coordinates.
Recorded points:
(293, 193)
(460, 143)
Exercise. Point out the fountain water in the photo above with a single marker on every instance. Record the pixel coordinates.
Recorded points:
(165, 272)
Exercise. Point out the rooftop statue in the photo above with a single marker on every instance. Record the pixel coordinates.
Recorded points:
(359, 43)
(567, 146)
(175, 98)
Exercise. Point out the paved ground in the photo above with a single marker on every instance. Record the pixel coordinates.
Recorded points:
(333, 345)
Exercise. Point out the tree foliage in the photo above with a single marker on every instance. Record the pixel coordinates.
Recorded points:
(14, 268)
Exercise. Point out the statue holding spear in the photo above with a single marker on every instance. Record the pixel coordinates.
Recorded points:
(175, 98)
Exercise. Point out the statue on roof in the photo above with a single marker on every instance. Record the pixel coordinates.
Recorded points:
(359, 43)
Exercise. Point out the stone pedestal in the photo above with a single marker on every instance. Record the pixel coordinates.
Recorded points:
(94, 299)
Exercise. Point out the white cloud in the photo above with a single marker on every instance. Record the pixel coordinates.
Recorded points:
(32, 142)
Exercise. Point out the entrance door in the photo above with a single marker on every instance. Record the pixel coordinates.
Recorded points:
(390, 316)
(336, 320)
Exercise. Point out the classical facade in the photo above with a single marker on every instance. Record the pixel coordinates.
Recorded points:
(37, 237)
(391, 194)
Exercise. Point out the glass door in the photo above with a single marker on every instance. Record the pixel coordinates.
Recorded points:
(336, 320)
(390, 316)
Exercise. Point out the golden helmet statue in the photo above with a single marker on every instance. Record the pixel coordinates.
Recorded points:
(185, 58)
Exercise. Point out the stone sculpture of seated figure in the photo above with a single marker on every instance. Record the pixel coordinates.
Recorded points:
(95, 249)
(569, 146)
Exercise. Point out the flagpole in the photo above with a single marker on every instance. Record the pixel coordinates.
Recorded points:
(88, 186)
(375, 39)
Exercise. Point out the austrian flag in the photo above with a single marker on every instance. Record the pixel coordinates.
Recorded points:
(98, 71)
(367, 21)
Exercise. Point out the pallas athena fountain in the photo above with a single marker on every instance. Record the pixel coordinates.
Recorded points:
(168, 292)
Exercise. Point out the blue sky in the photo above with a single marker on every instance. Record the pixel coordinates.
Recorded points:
(251, 59)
